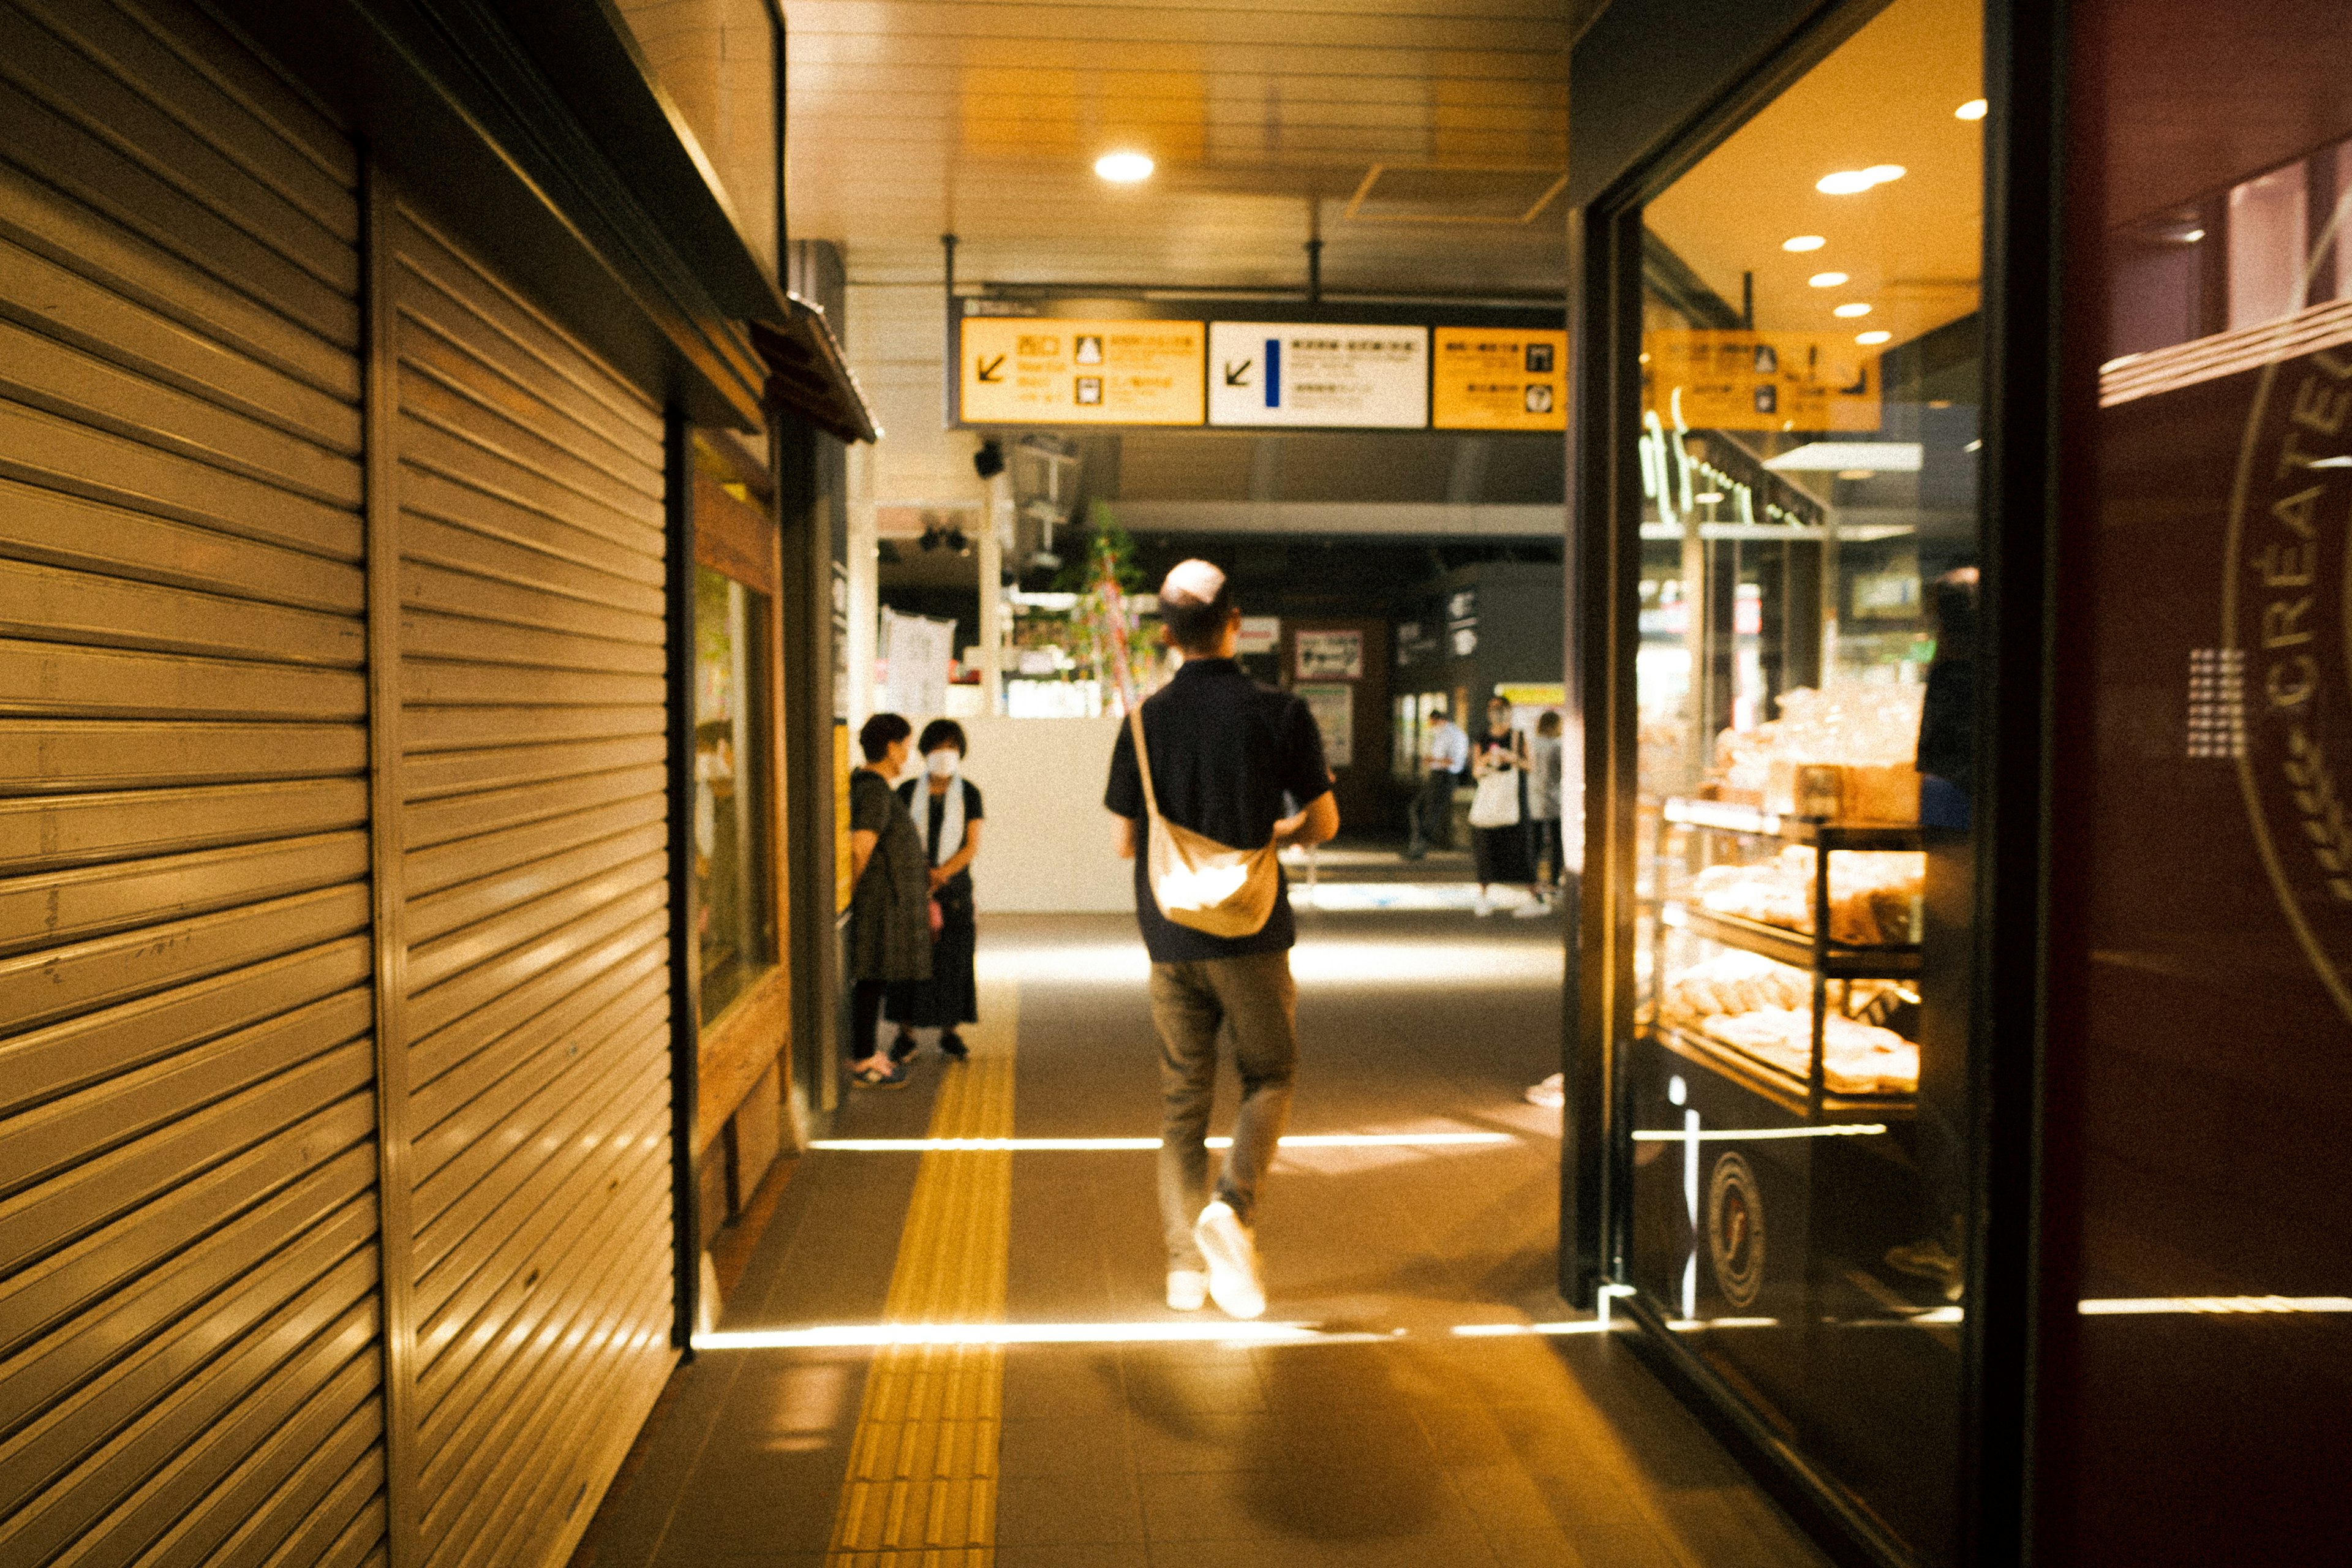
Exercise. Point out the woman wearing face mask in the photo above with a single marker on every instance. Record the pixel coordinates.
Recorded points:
(947, 811)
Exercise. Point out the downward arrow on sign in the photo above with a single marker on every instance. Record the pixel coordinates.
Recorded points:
(1238, 375)
(991, 369)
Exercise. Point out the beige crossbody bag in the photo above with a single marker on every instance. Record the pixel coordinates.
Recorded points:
(1197, 881)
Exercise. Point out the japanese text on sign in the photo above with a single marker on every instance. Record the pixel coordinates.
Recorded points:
(1028, 371)
(1497, 380)
(1727, 379)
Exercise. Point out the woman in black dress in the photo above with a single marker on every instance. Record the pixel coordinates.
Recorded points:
(945, 810)
(889, 913)
(1502, 854)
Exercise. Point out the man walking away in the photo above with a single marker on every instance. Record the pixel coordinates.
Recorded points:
(1224, 750)
(1444, 753)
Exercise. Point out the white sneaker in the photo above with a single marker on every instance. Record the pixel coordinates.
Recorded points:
(1232, 1261)
(1484, 906)
(1188, 1290)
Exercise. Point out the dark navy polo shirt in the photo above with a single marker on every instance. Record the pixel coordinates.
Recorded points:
(1225, 752)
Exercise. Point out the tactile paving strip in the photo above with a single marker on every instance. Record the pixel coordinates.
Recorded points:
(922, 1486)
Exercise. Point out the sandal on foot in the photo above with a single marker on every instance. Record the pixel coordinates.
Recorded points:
(952, 1046)
(902, 1048)
(892, 1077)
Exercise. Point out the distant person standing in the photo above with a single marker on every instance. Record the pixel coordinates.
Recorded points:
(1543, 799)
(1501, 851)
(947, 811)
(1221, 750)
(889, 913)
(1445, 753)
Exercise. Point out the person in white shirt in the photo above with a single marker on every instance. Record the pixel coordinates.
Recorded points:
(1444, 753)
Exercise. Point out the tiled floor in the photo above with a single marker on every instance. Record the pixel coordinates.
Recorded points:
(1394, 1440)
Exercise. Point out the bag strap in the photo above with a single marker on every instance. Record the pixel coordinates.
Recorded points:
(1142, 759)
(1122, 673)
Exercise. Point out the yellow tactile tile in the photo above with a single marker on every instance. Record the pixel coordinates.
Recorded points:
(921, 1491)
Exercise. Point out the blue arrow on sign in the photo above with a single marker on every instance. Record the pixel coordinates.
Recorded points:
(1273, 372)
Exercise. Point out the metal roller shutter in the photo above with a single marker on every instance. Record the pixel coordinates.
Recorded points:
(535, 879)
(190, 1355)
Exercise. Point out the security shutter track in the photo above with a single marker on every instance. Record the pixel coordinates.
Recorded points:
(190, 1360)
(533, 719)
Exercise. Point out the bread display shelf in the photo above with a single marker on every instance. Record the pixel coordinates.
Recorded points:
(1783, 1089)
(1797, 949)
(1728, 817)
(1814, 952)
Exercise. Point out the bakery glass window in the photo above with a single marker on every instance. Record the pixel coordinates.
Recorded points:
(734, 909)
(1795, 1063)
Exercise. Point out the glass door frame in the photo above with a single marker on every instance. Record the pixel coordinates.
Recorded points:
(2018, 1317)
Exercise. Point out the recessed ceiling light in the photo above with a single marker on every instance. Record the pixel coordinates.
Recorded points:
(1803, 242)
(1974, 108)
(1853, 308)
(2193, 236)
(1709, 497)
(1858, 473)
(1854, 181)
(1826, 279)
(1876, 338)
(1123, 168)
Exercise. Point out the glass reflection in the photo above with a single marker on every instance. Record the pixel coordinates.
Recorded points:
(1804, 680)
(734, 914)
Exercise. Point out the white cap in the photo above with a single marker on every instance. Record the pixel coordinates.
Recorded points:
(1198, 581)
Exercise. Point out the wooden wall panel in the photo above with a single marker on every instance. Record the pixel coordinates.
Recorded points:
(534, 799)
(190, 1342)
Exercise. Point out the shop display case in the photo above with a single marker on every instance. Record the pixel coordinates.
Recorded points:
(1789, 976)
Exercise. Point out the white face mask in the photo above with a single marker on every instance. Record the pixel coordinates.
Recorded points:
(943, 762)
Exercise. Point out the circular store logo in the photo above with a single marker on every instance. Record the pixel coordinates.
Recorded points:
(1735, 1229)
(2286, 591)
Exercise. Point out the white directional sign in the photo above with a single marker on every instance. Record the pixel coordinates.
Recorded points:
(1271, 372)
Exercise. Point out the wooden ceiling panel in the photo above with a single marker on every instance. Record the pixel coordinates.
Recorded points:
(914, 118)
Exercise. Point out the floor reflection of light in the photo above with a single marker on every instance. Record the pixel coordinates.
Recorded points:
(1741, 1134)
(882, 1336)
(2137, 1306)
(1058, 1145)
(1504, 1331)
(1475, 958)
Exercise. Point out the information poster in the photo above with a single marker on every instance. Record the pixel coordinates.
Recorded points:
(917, 651)
(1029, 370)
(1331, 656)
(1483, 379)
(1725, 380)
(1334, 707)
(1364, 378)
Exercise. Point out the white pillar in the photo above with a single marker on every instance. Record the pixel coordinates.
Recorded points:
(995, 530)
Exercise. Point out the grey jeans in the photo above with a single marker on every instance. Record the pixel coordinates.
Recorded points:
(1256, 999)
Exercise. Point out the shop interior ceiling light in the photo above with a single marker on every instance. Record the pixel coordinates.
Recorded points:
(1123, 168)
(1974, 108)
(1832, 456)
(1854, 181)
(1803, 242)
(1874, 338)
(1852, 309)
(1828, 279)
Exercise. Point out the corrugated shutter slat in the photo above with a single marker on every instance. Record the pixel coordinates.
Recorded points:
(190, 1353)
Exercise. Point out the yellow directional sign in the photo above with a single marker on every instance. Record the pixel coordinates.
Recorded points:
(1484, 378)
(1716, 379)
(1033, 370)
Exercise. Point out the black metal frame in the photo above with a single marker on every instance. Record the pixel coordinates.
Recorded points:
(2011, 1295)
(685, 998)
